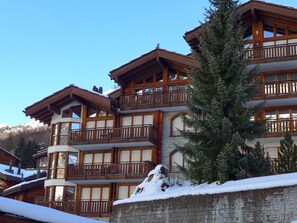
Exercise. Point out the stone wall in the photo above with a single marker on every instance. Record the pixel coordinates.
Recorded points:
(277, 205)
(167, 141)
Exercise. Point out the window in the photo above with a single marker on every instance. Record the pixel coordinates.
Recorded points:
(95, 158)
(268, 31)
(125, 191)
(60, 193)
(176, 159)
(93, 194)
(135, 155)
(72, 112)
(57, 163)
(183, 76)
(172, 75)
(176, 124)
(60, 131)
(94, 112)
(281, 120)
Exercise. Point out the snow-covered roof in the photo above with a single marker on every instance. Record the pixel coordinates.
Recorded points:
(40, 213)
(24, 173)
(23, 184)
(154, 193)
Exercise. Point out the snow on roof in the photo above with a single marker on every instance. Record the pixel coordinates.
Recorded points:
(108, 92)
(40, 213)
(228, 187)
(24, 183)
(24, 173)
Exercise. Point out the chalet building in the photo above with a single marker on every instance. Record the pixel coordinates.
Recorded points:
(8, 158)
(102, 146)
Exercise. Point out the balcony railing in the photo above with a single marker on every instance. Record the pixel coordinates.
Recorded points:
(109, 170)
(113, 135)
(281, 126)
(85, 208)
(155, 100)
(271, 52)
(277, 89)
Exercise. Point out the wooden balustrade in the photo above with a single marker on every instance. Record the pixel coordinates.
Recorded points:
(271, 52)
(281, 126)
(277, 89)
(156, 99)
(113, 135)
(106, 170)
(88, 208)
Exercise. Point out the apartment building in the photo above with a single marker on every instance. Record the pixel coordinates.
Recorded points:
(102, 146)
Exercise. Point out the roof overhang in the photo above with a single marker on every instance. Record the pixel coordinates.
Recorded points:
(152, 61)
(252, 12)
(44, 109)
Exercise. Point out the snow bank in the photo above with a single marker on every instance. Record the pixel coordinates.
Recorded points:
(185, 188)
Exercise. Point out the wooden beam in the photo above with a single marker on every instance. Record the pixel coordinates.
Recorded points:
(254, 16)
(54, 109)
(77, 98)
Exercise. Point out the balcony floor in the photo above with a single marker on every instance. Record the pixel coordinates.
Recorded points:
(98, 146)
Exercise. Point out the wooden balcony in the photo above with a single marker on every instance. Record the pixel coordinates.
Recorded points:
(133, 170)
(277, 89)
(278, 128)
(274, 53)
(83, 208)
(145, 133)
(154, 100)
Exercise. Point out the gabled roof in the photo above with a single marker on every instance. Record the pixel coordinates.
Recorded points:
(44, 109)
(9, 153)
(252, 12)
(147, 63)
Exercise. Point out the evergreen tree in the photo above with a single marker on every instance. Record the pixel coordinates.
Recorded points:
(9, 143)
(287, 154)
(255, 163)
(20, 148)
(220, 89)
(25, 152)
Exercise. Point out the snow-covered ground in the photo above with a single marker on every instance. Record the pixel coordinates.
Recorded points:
(40, 213)
(152, 191)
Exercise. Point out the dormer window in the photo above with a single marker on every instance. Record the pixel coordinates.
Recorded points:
(72, 112)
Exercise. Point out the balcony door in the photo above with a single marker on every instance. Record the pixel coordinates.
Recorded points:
(131, 160)
(137, 122)
(94, 199)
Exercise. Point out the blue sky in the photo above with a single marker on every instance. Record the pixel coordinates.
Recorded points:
(45, 45)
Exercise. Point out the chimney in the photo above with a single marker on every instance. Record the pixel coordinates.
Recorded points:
(10, 170)
(100, 91)
(95, 88)
(19, 169)
(38, 174)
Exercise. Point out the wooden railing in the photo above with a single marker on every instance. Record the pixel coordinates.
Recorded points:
(152, 100)
(271, 52)
(113, 135)
(106, 170)
(276, 89)
(89, 208)
(281, 126)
